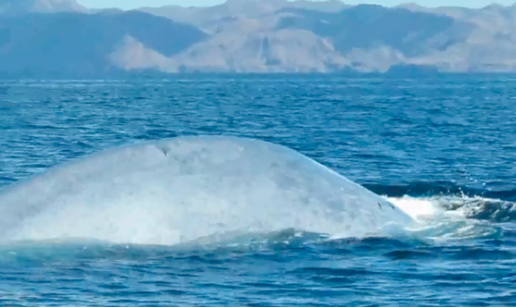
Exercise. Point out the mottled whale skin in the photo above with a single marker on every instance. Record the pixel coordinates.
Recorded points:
(174, 190)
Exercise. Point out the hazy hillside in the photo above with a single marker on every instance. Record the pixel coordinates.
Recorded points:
(85, 44)
(212, 18)
(61, 38)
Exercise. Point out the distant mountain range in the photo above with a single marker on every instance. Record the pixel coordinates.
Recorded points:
(60, 38)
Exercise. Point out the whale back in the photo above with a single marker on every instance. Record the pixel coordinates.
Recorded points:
(169, 191)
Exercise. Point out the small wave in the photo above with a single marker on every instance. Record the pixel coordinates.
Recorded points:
(481, 208)
(440, 189)
(287, 245)
(235, 243)
(476, 207)
(450, 212)
(449, 218)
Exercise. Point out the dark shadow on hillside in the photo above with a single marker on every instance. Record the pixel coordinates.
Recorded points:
(77, 44)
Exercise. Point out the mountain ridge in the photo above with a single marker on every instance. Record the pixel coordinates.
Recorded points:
(255, 36)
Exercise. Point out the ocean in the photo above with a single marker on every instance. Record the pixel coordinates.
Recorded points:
(440, 148)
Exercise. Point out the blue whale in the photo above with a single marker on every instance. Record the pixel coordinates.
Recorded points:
(174, 190)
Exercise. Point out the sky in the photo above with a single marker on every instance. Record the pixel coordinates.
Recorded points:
(130, 4)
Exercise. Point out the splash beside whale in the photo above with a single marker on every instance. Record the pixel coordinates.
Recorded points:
(186, 188)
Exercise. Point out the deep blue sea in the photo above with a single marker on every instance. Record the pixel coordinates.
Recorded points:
(442, 149)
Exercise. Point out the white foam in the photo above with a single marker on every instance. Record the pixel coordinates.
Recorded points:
(181, 189)
(444, 218)
(417, 208)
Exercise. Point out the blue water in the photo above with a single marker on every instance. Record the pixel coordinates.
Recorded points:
(443, 149)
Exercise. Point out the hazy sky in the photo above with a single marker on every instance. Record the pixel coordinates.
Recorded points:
(128, 4)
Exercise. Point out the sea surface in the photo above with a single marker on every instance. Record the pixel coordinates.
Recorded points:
(442, 148)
